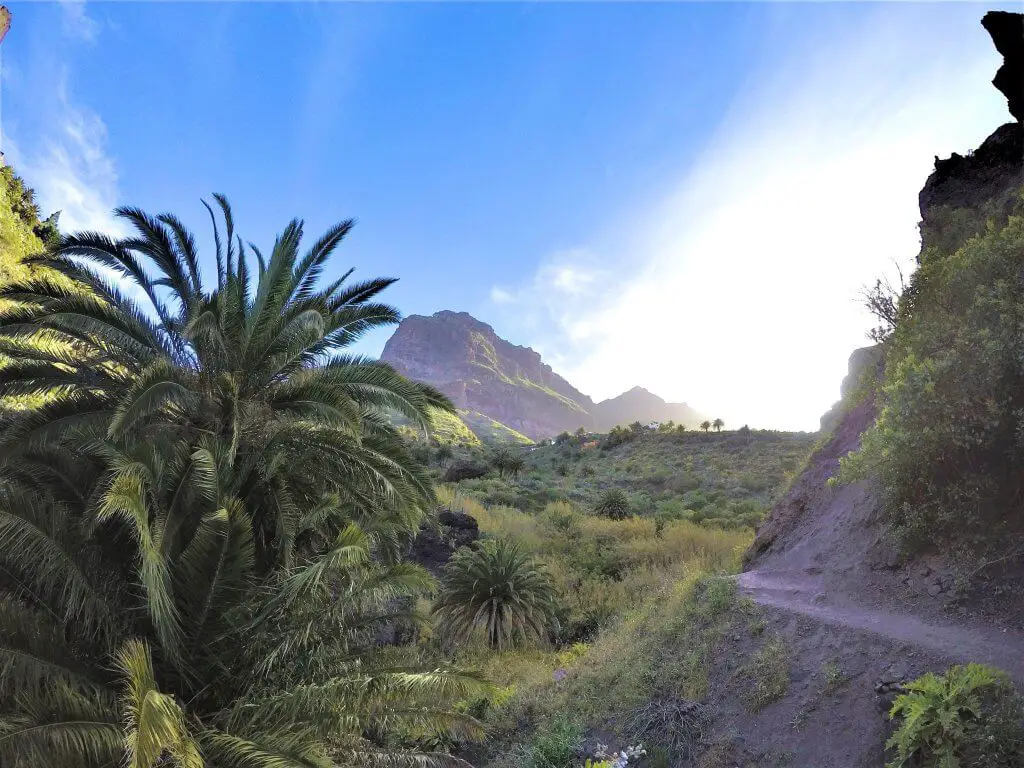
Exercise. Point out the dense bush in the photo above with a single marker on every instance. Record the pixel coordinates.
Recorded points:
(555, 745)
(947, 447)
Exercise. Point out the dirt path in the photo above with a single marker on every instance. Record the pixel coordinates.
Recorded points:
(962, 642)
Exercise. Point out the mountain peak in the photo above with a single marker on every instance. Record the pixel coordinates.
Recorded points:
(492, 380)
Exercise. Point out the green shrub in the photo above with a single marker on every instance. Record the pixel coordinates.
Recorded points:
(555, 746)
(970, 716)
(769, 672)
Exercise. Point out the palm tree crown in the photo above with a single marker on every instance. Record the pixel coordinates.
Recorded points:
(252, 373)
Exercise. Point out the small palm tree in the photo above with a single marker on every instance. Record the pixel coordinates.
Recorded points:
(614, 504)
(705, 425)
(444, 454)
(501, 460)
(515, 465)
(496, 586)
(718, 424)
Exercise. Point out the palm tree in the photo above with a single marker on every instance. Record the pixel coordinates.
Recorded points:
(252, 371)
(718, 424)
(496, 586)
(516, 463)
(614, 504)
(501, 460)
(705, 425)
(444, 454)
(202, 519)
(114, 660)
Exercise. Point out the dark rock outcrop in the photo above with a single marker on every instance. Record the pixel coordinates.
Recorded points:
(1007, 32)
(485, 375)
(435, 544)
(983, 175)
(995, 169)
(464, 470)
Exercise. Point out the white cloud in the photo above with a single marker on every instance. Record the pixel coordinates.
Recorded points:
(76, 23)
(740, 296)
(501, 296)
(70, 169)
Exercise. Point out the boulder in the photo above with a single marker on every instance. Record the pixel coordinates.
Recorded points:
(435, 544)
(464, 470)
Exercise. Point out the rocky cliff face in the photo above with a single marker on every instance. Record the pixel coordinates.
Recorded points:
(993, 172)
(482, 372)
(485, 375)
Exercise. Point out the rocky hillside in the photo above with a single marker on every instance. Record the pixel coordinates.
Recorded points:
(504, 390)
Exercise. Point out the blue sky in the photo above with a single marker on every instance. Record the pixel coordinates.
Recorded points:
(683, 196)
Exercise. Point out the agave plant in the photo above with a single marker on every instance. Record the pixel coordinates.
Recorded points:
(252, 371)
(496, 586)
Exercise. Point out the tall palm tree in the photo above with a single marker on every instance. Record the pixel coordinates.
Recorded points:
(718, 424)
(253, 370)
(202, 513)
(496, 586)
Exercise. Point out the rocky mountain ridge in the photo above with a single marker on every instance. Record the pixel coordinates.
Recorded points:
(492, 380)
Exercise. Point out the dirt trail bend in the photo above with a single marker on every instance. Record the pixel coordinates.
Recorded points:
(964, 642)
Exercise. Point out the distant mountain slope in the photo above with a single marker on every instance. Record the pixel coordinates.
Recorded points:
(483, 373)
(502, 389)
(640, 405)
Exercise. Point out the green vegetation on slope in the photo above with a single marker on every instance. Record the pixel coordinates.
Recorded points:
(949, 441)
(640, 617)
(491, 431)
(723, 479)
(21, 231)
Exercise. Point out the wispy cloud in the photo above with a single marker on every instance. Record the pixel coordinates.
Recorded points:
(501, 296)
(76, 23)
(739, 295)
(70, 168)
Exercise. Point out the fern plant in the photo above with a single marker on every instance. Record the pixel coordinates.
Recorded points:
(949, 720)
